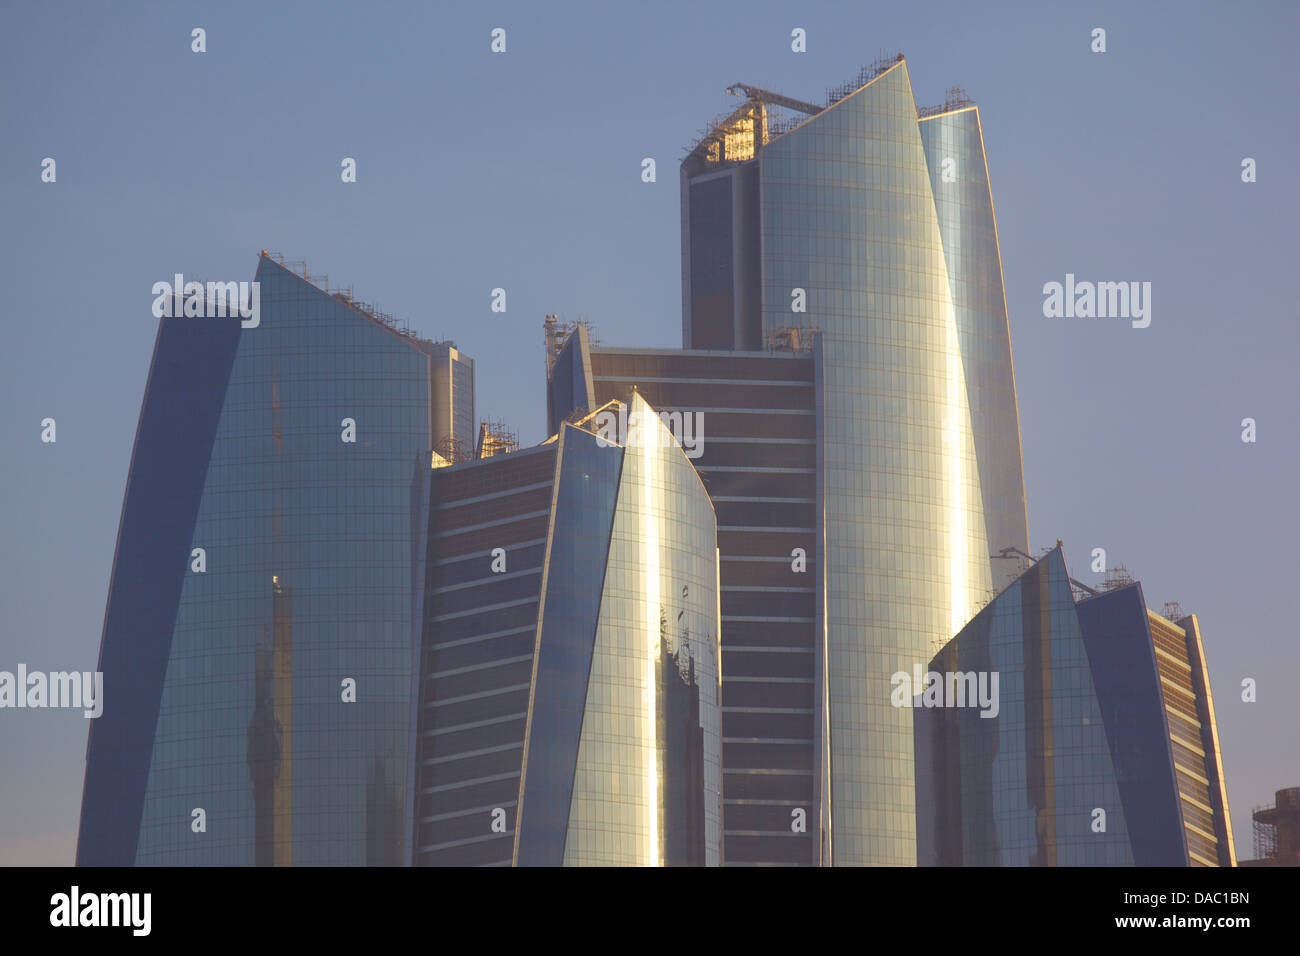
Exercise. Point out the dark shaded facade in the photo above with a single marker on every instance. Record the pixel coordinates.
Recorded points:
(188, 375)
(569, 685)
(570, 391)
(1151, 673)
(477, 664)
(1101, 752)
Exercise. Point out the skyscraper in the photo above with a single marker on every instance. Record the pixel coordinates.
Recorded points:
(1096, 746)
(846, 342)
(1131, 649)
(963, 201)
(754, 442)
(569, 686)
(327, 643)
(263, 613)
(846, 219)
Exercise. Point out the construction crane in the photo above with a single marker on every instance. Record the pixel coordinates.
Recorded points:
(775, 99)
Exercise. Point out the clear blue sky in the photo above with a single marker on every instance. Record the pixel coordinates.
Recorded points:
(522, 171)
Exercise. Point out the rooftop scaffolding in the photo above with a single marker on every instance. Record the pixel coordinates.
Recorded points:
(738, 135)
(956, 99)
(865, 75)
(494, 438)
(344, 295)
(556, 330)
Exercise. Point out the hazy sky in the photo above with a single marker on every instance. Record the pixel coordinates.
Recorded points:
(522, 170)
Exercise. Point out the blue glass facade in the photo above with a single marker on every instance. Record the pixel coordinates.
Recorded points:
(569, 386)
(582, 519)
(1022, 788)
(284, 680)
(182, 404)
(1123, 663)
(1159, 715)
(1102, 751)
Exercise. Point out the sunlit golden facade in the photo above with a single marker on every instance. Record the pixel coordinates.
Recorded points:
(740, 137)
(653, 688)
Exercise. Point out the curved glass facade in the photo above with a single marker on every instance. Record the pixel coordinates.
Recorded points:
(759, 466)
(963, 200)
(312, 579)
(647, 783)
(1101, 749)
(848, 215)
(570, 693)
(178, 418)
(1023, 788)
(581, 519)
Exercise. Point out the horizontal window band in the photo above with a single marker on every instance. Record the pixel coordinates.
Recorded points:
(441, 505)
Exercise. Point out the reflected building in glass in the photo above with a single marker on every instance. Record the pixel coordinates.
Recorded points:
(264, 611)
(1101, 747)
(569, 686)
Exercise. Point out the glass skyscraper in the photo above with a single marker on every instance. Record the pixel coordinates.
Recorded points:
(311, 655)
(963, 200)
(856, 247)
(264, 608)
(843, 221)
(1099, 749)
(1133, 650)
(570, 681)
(340, 630)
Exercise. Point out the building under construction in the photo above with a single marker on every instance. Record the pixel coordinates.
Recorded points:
(1277, 831)
(494, 438)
